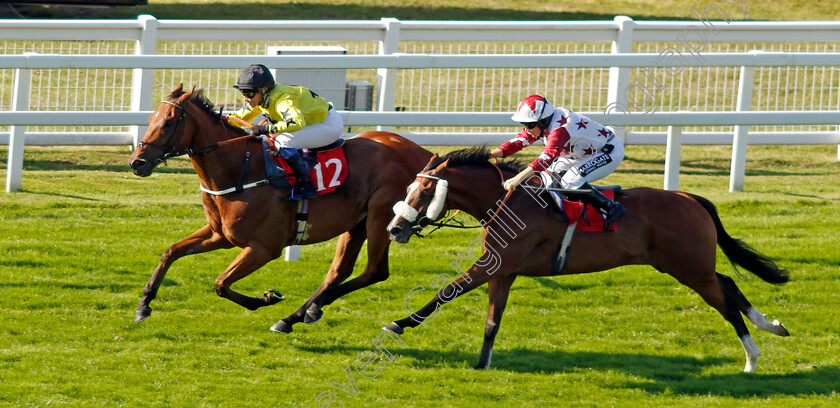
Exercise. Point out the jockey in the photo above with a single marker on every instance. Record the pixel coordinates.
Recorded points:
(577, 151)
(297, 119)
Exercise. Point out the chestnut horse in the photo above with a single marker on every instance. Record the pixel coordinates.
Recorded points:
(674, 232)
(259, 219)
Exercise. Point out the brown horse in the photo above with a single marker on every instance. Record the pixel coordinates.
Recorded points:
(674, 232)
(259, 219)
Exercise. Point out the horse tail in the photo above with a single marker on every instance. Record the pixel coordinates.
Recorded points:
(739, 253)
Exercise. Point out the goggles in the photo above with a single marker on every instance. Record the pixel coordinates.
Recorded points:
(529, 125)
(249, 93)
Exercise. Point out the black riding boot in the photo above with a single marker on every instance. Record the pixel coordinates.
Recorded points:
(612, 208)
(303, 185)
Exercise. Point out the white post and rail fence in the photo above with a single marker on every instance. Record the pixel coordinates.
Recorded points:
(19, 118)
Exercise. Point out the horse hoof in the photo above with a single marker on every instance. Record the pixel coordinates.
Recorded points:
(481, 367)
(781, 329)
(313, 316)
(281, 327)
(142, 314)
(393, 327)
(273, 296)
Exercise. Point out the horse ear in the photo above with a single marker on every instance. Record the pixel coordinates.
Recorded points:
(431, 164)
(178, 91)
(186, 95)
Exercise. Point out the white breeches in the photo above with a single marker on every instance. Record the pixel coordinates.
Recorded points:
(582, 170)
(312, 136)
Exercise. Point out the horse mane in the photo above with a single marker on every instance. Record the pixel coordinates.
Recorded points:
(473, 156)
(203, 102)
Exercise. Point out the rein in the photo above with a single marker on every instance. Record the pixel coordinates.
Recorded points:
(504, 200)
(190, 151)
(205, 149)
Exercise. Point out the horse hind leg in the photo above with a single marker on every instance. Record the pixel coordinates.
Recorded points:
(756, 318)
(720, 296)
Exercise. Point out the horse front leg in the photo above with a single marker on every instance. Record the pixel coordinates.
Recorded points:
(475, 277)
(498, 291)
(346, 251)
(251, 258)
(203, 240)
(375, 271)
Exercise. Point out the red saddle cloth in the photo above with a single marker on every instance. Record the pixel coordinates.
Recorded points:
(593, 219)
(327, 175)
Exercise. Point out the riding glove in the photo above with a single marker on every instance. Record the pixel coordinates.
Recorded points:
(259, 130)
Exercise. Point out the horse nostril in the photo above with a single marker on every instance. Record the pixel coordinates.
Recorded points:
(395, 230)
(137, 163)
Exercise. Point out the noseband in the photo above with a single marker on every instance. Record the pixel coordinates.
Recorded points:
(419, 221)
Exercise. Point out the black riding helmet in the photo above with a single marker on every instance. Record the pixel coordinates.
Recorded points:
(257, 76)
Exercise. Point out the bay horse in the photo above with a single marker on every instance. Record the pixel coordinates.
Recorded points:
(675, 232)
(259, 219)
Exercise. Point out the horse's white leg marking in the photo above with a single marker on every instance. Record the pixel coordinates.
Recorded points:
(751, 351)
(760, 322)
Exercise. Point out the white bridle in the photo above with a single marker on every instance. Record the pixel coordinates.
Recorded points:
(401, 209)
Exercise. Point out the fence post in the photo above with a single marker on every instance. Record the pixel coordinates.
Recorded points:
(291, 253)
(142, 80)
(387, 77)
(673, 150)
(739, 139)
(620, 77)
(17, 134)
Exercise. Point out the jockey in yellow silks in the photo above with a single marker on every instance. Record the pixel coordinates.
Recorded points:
(297, 119)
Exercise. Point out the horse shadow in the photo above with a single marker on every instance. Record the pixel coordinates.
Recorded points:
(69, 165)
(653, 374)
(679, 374)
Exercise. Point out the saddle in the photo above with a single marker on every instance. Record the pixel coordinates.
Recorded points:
(587, 216)
(328, 167)
(575, 211)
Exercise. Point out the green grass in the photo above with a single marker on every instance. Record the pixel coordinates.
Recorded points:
(78, 244)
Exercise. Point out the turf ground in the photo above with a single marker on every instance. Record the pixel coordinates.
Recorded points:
(81, 240)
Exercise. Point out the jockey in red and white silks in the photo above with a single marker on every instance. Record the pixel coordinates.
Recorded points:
(577, 150)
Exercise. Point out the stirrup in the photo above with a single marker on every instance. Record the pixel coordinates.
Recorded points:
(303, 190)
(613, 214)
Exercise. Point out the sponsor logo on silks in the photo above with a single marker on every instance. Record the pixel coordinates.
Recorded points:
(594, 164)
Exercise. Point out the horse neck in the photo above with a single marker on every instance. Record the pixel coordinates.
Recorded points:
(475, 190)
(220, 168)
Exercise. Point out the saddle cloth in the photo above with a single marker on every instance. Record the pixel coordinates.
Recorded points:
(327, 173)
(591, 219)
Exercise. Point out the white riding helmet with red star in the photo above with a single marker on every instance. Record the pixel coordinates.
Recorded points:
(533, 109)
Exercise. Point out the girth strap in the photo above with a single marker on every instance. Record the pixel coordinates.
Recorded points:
(301, 225)
(560, 261)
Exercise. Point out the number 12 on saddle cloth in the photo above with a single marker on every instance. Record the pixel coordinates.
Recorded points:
(328, 174)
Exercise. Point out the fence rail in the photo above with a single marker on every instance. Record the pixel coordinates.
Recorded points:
(624, 93)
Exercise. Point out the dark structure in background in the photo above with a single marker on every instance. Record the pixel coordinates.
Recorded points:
(84, 2)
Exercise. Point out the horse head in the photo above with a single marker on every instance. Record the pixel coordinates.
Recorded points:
(169, 134)
(423, 204)
(463, 179)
